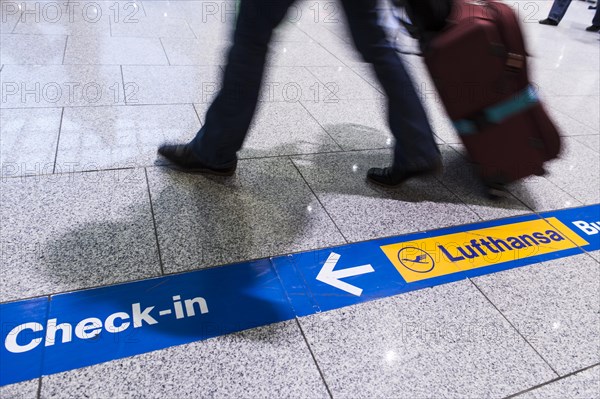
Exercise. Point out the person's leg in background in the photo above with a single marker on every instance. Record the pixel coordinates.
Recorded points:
(228, 118)
(557, 12)
(415, 150)
(595, 27)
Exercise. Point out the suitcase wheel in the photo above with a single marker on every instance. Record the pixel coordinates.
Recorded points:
(541, 172)
(494, 190)
(495, 193)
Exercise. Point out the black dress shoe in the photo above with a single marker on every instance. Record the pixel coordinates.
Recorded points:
(388, 177)
(593, 28)
(183, 159)
(549, 21)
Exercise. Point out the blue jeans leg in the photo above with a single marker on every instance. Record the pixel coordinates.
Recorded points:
(230, 114)
(596, 20)
(559, 9)
(415, 144)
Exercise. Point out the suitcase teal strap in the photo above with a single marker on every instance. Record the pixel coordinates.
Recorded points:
(499, 112)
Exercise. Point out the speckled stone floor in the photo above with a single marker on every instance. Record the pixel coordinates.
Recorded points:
(88, 97)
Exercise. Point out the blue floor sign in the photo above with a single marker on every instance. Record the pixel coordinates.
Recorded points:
(48, 335)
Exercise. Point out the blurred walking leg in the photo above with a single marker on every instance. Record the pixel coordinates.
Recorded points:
(557, 12)
(229, 116)
(415, 150)
(595, 27)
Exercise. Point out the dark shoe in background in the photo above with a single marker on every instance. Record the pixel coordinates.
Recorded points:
(549, 21)
(183, 159)
(593, 28)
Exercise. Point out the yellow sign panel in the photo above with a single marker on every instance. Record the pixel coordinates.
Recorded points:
(452, 253)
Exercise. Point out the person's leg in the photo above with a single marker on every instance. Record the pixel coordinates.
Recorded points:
(229, 116)
(415, 148)
(559, 9)
(595, 22)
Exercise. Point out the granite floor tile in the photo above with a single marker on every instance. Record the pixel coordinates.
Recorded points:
(568, 56)
(325, 23)
(557, 38)
(9, 16)
(448, 341)
(290, 33)
(75, 230)
(32, 49)
(555, 305)
(568, 126)
(577, 171)
(22, 390)
(271, 361)
(114, 51)
(570, 31)
(460, 177)
(310, 21)
(195, 52)
(345, 52)
(317, 17)
(292, 84)
(541, 90)
(128, 11)
(166, 8)
(541, 195)
(585, 109)
(363, 211)
(95, 138)
(159, 27)
(28, 138)
(336, 21)
(301, 54)
(282, 128)
(29, 86)
(210, 19)
(342, 83)
(557, 83)
(366, 72)
(592, 141)
(86, 18)
(208, 27)
(354, 124)
(582, 385)
(595, 254)
(438, 119)
(171, 84)
(266, 209)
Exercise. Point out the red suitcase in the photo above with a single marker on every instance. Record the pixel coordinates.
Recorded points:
(479, 66)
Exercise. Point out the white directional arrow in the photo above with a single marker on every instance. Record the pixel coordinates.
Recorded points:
(328, 276)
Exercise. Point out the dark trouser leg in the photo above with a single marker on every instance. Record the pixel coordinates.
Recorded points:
(596, 20)
(415, 144)
(230, 114)
(559, 9)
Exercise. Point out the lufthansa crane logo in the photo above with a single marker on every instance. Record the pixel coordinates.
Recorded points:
(416, 260)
